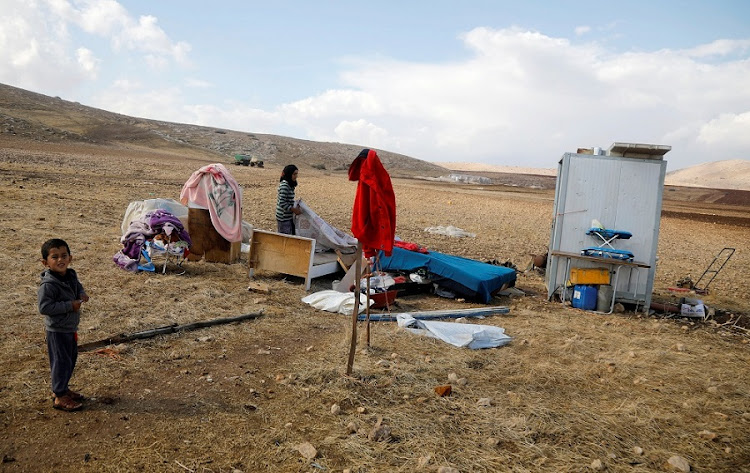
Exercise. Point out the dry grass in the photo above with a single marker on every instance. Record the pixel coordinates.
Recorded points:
(573, 386)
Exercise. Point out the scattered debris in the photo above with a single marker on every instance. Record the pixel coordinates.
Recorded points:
(447, 469)
(109, 352)
(478, 312)
(424, 461)
(165, 330)
(450, 231)
(307, 450)
(380, 432)
(713, 269)
(259, 287)
(484, 402)
(443, 390)
(678, 463)
(472, 336)
(685, 282)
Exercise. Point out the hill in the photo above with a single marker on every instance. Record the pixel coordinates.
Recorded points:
(728, 174)
(52, 119)
(43, 118)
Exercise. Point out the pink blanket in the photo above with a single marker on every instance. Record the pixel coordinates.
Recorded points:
(212, 187)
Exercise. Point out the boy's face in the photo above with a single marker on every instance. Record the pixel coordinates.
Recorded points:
(58, 260)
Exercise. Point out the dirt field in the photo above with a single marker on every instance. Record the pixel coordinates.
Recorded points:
(574, 391)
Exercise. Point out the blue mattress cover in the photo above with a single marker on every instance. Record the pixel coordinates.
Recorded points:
(608, 233)
(482, 278)
(607, 253)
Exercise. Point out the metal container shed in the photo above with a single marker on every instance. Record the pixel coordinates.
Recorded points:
(622, 189)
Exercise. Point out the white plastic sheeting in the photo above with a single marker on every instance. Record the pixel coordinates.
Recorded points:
(450, 231)
(139, 208)
(335, 301)
(327, 237)
(473, 336)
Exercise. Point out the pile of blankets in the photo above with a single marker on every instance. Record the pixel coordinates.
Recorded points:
(212, 187)
(145, 228)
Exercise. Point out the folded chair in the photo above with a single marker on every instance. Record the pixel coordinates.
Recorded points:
(605, 249)
(168, 244)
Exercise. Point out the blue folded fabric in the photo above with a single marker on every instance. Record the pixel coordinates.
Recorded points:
(607, 233)
(608, 253)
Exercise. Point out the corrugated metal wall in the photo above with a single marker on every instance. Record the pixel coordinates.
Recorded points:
(621, 193)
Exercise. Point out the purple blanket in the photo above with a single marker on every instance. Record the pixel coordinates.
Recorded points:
(143, 229)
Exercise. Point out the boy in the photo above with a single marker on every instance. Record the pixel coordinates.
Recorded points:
(60, 297)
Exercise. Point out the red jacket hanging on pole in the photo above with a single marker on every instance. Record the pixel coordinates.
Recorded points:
(374, 214)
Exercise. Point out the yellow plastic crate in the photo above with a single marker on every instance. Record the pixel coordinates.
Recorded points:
(589, 276)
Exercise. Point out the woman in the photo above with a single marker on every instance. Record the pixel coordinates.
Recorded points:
(285, 202)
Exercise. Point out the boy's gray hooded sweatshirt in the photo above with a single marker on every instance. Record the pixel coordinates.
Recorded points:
(55, 296)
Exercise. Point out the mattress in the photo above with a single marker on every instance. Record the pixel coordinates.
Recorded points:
(469, 277)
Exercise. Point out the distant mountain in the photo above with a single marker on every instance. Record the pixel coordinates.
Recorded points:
(728, 174)
(43, 118)
(481, 167)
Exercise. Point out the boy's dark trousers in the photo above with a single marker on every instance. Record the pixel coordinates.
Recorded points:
(62, 348)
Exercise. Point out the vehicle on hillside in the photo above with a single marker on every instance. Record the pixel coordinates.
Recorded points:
(247, 160)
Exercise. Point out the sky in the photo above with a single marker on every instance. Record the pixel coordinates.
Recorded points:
(508, 83)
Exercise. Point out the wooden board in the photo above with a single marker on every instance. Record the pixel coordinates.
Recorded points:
(207, 242)
(288, 254)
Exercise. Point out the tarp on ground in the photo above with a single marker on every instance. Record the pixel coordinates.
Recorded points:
(473, 336)
(479, 279)
(308, 224)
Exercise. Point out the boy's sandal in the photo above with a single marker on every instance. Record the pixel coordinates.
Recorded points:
(73, 395)
(65, 403)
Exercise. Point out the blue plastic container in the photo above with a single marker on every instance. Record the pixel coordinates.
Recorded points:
(584, 297)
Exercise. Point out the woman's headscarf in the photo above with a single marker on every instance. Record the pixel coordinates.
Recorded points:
(286, 175)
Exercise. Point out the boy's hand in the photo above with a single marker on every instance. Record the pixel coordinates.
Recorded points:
(77, 305)
(85, 297)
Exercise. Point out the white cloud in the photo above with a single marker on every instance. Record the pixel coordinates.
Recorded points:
(33, 49)
(720, 47)
(582, 30)
(138, 99)
(88, 62)
(109, 19)
(146, 36)
(727, 128)
(519, 97)
(361, 131)
(39, 52)
(527, 97)
(102, 17)
(334, 102)
(198, 83)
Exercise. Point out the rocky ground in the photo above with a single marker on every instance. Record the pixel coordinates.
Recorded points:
(574, 391)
